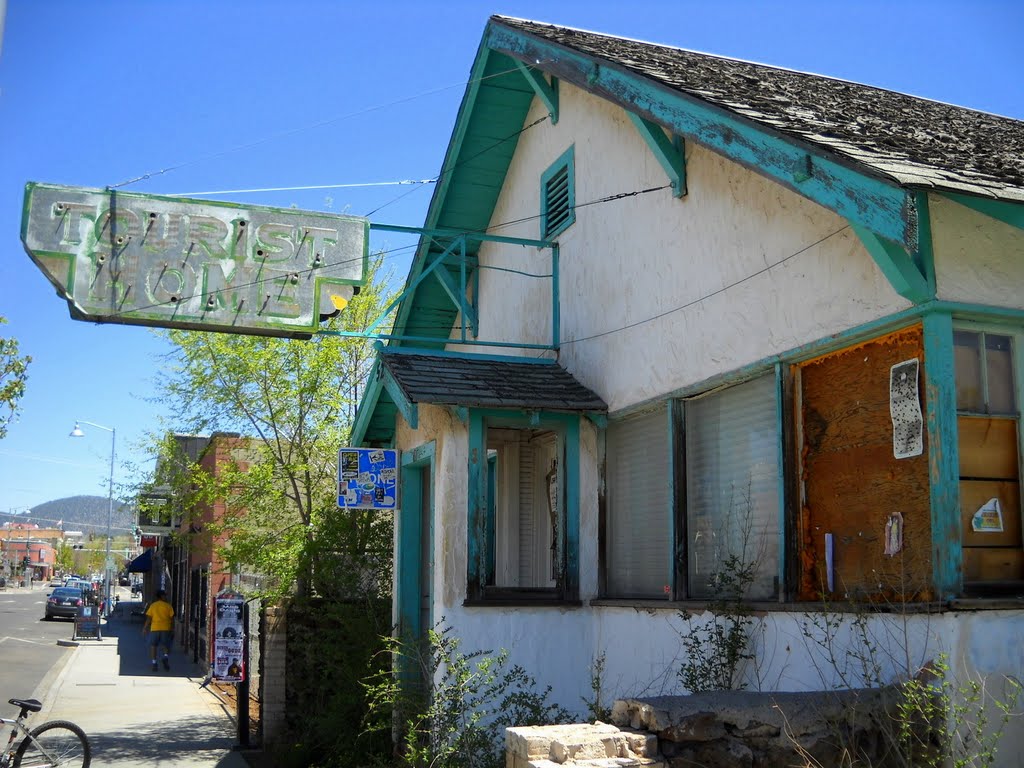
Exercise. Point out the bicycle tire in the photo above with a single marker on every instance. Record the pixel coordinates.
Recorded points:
(65, 742)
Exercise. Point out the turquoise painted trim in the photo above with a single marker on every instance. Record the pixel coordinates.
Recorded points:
(408, 409)
(599, 420)
(468, 355)
(556, 301)
(925, 247)
(411, 287)
(943, 454)
(478, 237)
(565, 162)
(434, 340)
(874, 203)
(476, 506)
(368, 404)
(420, 454)
(461, 413)
(668, 153)
(1008, 212)
(980, 312)
(548, 94)
(497, 417)
(780, 417)
(568, 428)
(572, 508)
(410, 538)
(448, 165)
(458, 299)
(896, 264)
(474, 315)
(673, 433)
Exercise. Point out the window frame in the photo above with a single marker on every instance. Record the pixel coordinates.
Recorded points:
(567, 162)
(1015, 333)
(780, 523)
(677, 569)
(481, 518)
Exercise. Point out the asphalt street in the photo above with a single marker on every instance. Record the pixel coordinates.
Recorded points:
(28, 645)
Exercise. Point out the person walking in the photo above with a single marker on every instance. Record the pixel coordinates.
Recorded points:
(160, 626)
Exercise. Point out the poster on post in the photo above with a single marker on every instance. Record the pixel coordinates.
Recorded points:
(367, 478)
(229, 638)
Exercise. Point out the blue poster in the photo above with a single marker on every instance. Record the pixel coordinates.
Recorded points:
(367, 478)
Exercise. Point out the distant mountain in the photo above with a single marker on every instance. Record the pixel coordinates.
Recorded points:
(78, 513)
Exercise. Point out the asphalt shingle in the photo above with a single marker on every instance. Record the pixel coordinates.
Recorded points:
(483, 382)
(911, 140)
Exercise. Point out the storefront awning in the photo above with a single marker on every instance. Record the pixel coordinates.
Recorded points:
(143, 563)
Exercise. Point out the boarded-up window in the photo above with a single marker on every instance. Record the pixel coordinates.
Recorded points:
(988, 424)
(852, 484)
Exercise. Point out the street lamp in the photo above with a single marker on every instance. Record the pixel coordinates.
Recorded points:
(77, 432)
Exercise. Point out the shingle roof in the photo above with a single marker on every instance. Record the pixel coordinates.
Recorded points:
(488, 383)
(911, 140)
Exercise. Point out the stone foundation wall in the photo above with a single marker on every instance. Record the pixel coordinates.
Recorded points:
(725, 729)
(741, 729)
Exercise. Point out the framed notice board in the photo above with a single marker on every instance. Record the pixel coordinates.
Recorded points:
(87, 623)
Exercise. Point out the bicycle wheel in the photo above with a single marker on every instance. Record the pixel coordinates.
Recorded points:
(57, 743)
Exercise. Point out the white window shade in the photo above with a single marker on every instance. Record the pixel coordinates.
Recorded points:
(732, 488)
(639, 529)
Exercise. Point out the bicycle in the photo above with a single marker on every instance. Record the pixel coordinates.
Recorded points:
(52, 744)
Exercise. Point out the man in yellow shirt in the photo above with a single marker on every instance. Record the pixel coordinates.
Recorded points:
(160, 625)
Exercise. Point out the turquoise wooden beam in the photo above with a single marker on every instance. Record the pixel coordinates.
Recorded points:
(1002, 210)
(943, 454)
(467, 309)
(902, 272)
(876, 204)
(405, 406)
(546, 92)
(368, 404)
(668, 153)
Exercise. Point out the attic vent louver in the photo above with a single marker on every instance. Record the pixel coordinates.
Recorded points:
(558, 197)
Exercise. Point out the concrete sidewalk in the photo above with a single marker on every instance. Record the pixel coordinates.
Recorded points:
(134, 716)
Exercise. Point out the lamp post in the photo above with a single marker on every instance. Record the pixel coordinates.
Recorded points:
(77, 432)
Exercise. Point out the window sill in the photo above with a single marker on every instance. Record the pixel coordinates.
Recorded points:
(767, 606)
(503, 598)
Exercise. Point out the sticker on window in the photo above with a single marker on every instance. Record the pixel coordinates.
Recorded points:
(905, 410)
(988, 519)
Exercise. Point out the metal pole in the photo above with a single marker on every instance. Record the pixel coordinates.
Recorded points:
(110, 518)
(242, 687)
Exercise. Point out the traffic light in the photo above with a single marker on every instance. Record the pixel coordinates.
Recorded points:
(26, 562)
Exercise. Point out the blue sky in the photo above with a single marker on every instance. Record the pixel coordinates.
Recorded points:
(240, 95)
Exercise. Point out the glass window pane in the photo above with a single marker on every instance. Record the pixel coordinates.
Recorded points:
(999, 368)
(732, 499)
(967, 360)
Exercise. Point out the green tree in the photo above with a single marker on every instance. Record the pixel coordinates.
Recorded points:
(294, 401)
(13, 374)
(65, 558)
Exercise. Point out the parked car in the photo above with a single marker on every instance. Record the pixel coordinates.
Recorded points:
(64, 602)
(87, 588)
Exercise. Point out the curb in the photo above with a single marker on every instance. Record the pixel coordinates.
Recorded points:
(49, 687)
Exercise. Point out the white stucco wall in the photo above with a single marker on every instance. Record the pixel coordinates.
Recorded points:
(673, 292)
(679, 289)
(978, 260)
